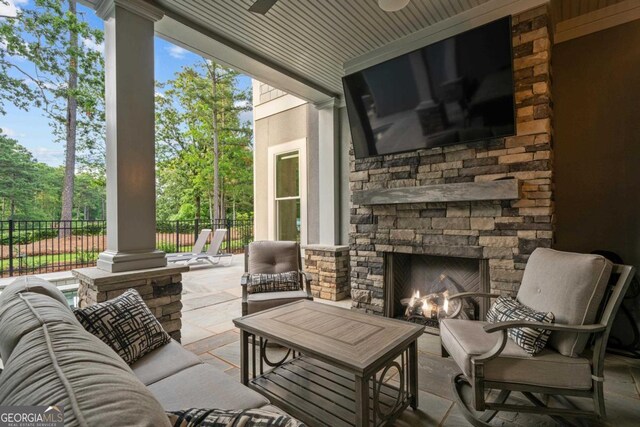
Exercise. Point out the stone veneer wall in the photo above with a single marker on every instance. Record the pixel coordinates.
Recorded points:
(504, 232)
(161, 290)
(328, 268)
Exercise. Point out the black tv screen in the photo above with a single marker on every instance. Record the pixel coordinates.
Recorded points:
(456, 90)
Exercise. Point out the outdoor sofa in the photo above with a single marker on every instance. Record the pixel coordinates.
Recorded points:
(49, 358)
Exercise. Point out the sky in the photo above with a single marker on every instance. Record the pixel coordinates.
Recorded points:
(31, 128)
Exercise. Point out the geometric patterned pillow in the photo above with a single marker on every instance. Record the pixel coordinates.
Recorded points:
(276, 282)
(531, 340)
(230, 418)
(125, 324)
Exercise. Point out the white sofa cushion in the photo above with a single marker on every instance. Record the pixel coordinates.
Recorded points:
(164, 362)
(203, 386)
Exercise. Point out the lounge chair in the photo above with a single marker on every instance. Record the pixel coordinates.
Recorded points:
(197, 249)
(211, 255)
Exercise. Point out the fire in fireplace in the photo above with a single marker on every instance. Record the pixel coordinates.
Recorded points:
(430, 308)
(427, 309)
(417, 287)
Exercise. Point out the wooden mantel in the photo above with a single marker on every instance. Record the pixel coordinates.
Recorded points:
(504, 189)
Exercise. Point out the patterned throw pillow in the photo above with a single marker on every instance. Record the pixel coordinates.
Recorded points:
(125, 324)
(531, 340)
(276, 282)
(230, 418)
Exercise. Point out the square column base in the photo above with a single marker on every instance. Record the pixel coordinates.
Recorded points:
(116, 262)
(160, 288)
(328, 267)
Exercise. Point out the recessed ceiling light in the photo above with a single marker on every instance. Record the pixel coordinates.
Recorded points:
(392, 5)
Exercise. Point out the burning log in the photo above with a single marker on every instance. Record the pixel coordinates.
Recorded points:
(432, 306)
(436, 305)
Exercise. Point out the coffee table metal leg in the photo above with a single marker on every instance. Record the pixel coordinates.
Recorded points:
(244, 357)
(362, 401)
(413, 374)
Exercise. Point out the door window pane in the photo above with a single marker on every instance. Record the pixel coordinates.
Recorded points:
(288, 219)
(288, 196)
(287, 175)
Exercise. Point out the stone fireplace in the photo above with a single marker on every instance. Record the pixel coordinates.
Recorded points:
(496, 229)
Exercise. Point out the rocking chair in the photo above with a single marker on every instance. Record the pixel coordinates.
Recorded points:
(574, 287)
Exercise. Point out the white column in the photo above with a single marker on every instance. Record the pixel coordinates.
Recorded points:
(329, 172)
(131, 191)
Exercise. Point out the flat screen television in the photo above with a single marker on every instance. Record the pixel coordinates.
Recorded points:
(456, 90)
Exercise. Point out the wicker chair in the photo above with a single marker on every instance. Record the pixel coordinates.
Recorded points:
(272, 257)
(575, 288)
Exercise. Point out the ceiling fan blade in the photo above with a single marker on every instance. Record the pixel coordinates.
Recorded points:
(262, 6)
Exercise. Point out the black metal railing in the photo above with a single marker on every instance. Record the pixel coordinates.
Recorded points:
(180, 236)
(34, 247)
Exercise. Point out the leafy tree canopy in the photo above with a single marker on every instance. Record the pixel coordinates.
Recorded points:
(36, 58)
(17, 178)
(185, 129)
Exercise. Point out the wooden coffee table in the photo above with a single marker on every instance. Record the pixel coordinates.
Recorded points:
(339, 360)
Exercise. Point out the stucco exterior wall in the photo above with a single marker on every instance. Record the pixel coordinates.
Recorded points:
(277, 124)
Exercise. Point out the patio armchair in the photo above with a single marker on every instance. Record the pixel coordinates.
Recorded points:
(574, 287)
(268, 257)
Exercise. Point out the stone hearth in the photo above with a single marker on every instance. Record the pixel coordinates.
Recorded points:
(503, 232)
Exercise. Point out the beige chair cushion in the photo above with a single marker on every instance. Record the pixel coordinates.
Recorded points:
(203, 386)
(263, 301)
(273, 257)
(464, 339)
(164, 362)
(569, 285)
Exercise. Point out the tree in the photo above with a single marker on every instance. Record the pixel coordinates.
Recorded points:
(46, 203)
(17, 180)
(203, 147)
(71, 124)
(64, 77)
(90, 196)
(30, 190)
(225, 105)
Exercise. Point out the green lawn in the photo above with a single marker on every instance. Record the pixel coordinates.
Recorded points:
(41, 261)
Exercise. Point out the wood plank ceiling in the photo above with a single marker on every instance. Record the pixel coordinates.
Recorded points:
(314, 38)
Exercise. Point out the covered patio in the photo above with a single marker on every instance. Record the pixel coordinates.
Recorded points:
(211, 299)
(479, 208)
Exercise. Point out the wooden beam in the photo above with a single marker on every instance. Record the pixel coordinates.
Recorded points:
(507, 189)
(598, 20)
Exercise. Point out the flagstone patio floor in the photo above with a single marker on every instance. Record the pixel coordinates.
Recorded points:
(212, 299)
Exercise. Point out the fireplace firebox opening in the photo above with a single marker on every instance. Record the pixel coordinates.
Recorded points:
(417, 287)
